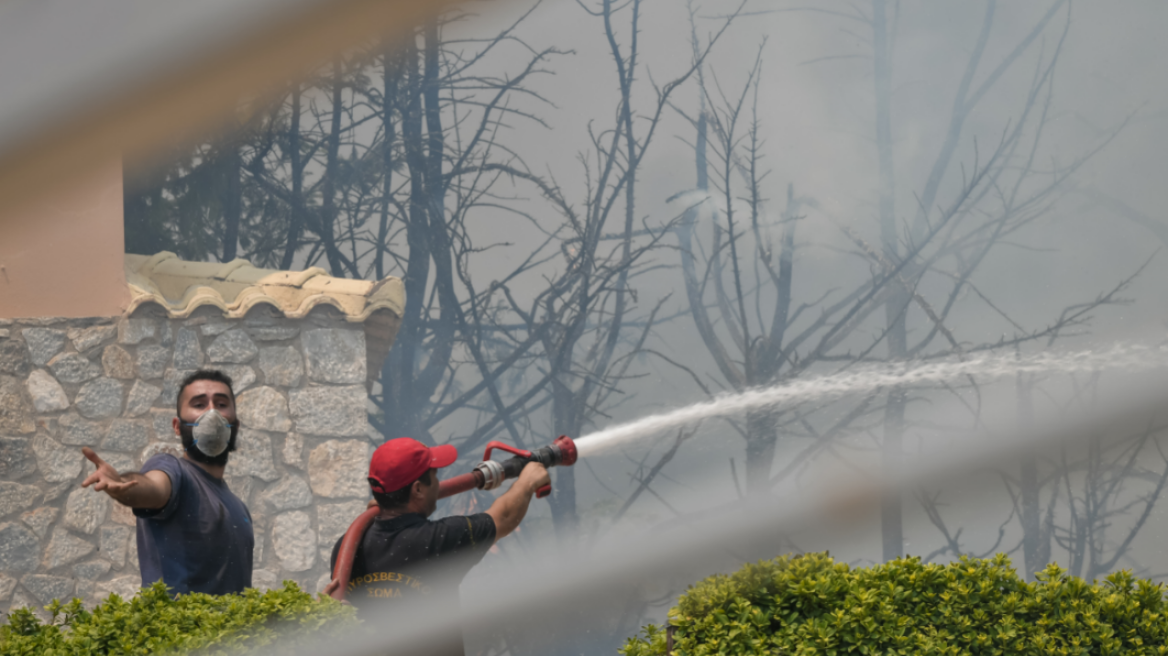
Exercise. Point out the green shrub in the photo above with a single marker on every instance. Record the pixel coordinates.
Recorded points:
(812, 605)
(153, 622)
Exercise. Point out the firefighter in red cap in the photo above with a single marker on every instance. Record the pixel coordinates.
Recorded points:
(407, 559)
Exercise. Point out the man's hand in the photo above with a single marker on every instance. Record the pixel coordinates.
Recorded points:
(329, 589)
(150, 490)
(106, 478)
(534, 476)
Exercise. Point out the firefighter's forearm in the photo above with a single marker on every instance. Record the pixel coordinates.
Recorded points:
(510, 508)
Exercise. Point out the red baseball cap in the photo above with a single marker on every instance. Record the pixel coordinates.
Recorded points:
(401, 461)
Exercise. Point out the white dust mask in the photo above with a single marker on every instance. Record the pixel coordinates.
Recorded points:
(211, 433)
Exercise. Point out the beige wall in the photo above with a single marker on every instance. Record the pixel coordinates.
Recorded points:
(63, 256)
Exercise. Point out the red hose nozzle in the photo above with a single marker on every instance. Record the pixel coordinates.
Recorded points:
(567, 450)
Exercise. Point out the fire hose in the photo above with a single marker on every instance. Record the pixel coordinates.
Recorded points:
(487, 475)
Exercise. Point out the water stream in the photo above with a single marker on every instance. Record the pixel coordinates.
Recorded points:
(984, 368)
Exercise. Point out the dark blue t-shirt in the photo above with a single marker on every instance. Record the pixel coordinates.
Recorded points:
(201, 540)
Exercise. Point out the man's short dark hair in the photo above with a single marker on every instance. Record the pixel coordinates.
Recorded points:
(401, 497)
(202, 374)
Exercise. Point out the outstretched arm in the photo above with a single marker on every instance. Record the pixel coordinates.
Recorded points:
(150, 490)
(509, 509)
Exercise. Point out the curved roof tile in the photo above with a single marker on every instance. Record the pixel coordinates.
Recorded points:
(235, 287)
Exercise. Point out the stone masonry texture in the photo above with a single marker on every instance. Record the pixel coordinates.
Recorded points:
(110, 383)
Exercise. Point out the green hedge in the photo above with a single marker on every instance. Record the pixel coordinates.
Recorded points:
(812, 605)
(153, 622)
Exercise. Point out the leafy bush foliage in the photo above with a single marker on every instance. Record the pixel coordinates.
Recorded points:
(153, 622)
(812, 605)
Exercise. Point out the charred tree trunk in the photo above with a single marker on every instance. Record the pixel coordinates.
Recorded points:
(412, 381)
(296, 209)
(433, 222)
(760, 451)
(390, 73)
(891, 522)
(563, 500)
(1035, 540)
(693, 282)
(232, 199)
(328, 204)
(402, 399)
(438, 232)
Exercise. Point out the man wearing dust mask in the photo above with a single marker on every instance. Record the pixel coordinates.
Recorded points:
(194, 534)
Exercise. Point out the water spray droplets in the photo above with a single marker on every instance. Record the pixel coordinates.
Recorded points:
(1128, 357)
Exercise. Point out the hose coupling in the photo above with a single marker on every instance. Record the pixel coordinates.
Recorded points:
(492, 472)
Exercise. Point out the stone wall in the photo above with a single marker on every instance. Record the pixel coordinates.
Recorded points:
(303, 446)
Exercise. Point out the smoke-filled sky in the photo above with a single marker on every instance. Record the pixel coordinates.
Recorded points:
(1105, 106)
(816, 114)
